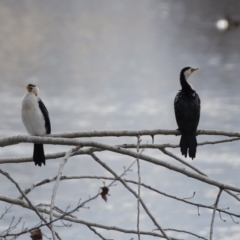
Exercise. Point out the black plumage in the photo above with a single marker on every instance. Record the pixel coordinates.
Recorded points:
(38, 150)
(45, 115)
(187, 112)
(38, 154)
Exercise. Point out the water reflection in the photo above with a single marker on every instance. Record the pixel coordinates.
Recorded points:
(115, 65)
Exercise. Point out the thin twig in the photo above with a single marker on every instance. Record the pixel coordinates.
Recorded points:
(57, 184)
(69, 213)
(139, 184)
(97, 233)
(214, 212)
(182, 161)
(234, 220)
(45, 181)
(132, 191)
(168, 145)
(220, 215)
(76, 220)
(26, 198)
(176, 230)
(194, 168)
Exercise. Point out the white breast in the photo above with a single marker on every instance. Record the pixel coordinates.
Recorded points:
(32, 116)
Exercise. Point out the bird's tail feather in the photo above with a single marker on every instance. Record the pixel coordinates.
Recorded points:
(183, 145)
(38, 154)
(188, 142)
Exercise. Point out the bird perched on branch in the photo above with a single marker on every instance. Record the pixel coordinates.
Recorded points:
(187, 113)
(36, 120)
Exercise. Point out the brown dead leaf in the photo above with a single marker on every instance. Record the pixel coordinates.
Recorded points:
(36, 234)
(104, 193)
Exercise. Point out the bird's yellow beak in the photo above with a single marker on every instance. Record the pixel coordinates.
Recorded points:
(194, 69)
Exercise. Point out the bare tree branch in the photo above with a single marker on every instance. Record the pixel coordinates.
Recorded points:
(133, 192)
(141, 133)
(139, 189)
(168, 145)
(17, 139)
(193, 234)
(89, 150)
(45, 181)
(182, 161)
(214, 212)
(98, 234)
(25, 197)
(56, 186)
(90, 147)
(62, 141)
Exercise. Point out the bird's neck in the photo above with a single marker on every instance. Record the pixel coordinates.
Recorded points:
(185, 85)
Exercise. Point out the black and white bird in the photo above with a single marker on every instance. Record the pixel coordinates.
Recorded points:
(36, 120)
(187, 111)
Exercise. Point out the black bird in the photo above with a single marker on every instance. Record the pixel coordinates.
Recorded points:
(35, 117)
(187, 113)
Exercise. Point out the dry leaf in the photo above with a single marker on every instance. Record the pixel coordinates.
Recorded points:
(36, 234)
(104, 193)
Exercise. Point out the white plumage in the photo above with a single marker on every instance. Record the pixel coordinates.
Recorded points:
(32, 116)
(36, 120)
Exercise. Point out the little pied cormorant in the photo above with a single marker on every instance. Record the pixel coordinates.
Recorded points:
(187, 112)
(36, 120)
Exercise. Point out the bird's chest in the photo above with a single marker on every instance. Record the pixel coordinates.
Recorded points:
(32, 116)
(188, 98)
(187, 102)
(30, 106)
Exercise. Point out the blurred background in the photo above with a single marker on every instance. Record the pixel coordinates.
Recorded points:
(114, 65)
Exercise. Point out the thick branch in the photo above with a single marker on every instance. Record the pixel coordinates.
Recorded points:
(125, 133)
(90, 150)
(73, 142)
(17, 139)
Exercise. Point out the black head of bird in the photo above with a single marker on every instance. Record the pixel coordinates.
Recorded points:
(184, 75)
(187, 71)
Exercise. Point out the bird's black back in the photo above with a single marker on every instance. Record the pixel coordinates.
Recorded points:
(45, 115)
(187, 111)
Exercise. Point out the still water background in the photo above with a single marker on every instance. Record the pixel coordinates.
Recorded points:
(114, 65)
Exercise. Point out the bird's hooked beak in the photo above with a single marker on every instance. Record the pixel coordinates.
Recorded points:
(194, 69)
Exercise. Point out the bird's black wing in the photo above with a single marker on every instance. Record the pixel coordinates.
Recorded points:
(45, 115)
(187, 111)
(197, 108)
(179, 110)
